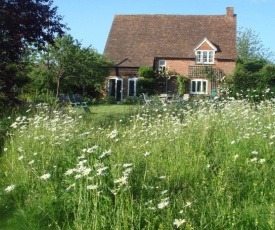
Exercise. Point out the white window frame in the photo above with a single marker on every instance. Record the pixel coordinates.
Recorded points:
(196, 86)
(204, 56)
(116, 88)
(162, 65)
(133, 79)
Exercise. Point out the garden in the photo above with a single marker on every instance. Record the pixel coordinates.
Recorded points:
(205, 164)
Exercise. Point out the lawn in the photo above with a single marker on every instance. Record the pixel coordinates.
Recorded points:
(203, 165)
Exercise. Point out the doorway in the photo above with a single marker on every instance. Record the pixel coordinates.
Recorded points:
(115, 87)
(132, 86)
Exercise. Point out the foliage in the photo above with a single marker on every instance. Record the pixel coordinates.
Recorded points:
(163, 72)
(181, 80)
(68, 67)
(131, 100)
(25, 25)
(145, 85)
(108, 100)
(249, 75)
(205, 165)
(250, 47)
(37, 97)
(253, 70)
(146, 72)
(209, 71)
(268, 74)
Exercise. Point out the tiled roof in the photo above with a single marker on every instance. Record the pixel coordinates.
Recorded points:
(140, 38)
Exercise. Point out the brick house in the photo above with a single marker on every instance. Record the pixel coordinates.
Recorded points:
(185, 44)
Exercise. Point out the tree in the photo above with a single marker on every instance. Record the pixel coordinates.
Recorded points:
(66, 66)
(247, 75)
(24, 24)
(250, 47)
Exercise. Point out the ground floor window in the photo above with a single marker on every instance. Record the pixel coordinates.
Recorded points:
(198, 86)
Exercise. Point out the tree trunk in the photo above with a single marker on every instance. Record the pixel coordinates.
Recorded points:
(58, 84)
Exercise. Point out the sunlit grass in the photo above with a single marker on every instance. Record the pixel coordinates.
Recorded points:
(205, 165)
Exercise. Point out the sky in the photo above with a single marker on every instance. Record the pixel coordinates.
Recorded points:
(90, 21)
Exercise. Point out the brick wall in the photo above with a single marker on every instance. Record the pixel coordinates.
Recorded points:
(181, 66)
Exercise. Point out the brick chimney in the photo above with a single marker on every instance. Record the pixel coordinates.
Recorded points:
(230, 11)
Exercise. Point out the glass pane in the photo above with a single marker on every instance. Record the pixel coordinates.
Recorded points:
(199, 88)
(198, 56)
(204, 56)
(131, 88)
(204, 86)
(211, 55)
(193, 86)
(162, 63)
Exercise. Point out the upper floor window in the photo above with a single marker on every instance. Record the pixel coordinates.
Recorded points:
(162, 65)
(205, 56)
(205, 52)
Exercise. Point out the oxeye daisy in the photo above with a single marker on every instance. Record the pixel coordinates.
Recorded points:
(69, 172)
(92, 187)
(122, 180)
(146, 154)
(163, 204)
(10, 188)
(20, 158)
(179, 222)
(45, 176)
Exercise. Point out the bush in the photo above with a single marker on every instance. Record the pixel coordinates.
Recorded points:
(131, 100)
(145, 85)
(182, 81)
(146, 72)
(108, 100)
(248, 75)
(40, 97)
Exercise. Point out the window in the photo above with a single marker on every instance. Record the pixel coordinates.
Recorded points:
(198, 86)
(162, 65)
(205, 56)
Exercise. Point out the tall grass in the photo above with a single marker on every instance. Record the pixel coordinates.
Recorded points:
(206, 165)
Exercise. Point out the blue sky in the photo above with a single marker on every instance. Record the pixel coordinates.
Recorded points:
(90, 20)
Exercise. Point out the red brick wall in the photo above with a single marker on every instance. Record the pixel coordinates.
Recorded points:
(181, 66)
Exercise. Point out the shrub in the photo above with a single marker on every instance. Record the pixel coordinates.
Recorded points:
(108, 100)
(146, 72)
(131, 100)
(181, 80)
(145, 85)
(248, 75)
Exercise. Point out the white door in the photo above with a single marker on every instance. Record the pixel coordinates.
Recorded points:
(132, 86)
(115, 87)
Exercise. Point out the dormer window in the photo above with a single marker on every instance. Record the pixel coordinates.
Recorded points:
(162, 65)
(205, 52)
(205, 56)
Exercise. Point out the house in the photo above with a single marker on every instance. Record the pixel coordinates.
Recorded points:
(186, 44)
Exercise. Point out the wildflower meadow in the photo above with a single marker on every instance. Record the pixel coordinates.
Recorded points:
(201, 165)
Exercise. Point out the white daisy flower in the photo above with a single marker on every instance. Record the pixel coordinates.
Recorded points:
(163, 204)
(69, 172)
(92, 187)
(122, 180)
(10, 188)
(45, 176)
(179, 222)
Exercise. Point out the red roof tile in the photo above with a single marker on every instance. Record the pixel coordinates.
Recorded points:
(140, 38)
